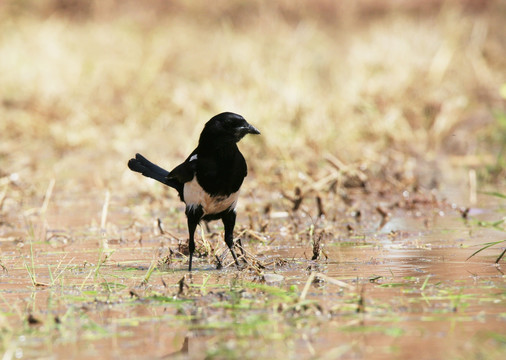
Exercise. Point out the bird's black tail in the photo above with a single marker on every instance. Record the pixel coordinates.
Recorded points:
(142, 165)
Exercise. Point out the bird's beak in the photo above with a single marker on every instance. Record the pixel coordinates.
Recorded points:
(250, 129)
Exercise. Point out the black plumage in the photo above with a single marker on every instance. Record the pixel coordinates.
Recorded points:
(208, 181)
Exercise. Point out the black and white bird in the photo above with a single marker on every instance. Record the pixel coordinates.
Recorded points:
(208, 181)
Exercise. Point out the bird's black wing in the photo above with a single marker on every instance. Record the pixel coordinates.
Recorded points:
(185, 172)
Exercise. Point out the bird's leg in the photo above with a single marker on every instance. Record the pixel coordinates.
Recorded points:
(239, 241)
(229, 223)
(193, 216)
(192, 225)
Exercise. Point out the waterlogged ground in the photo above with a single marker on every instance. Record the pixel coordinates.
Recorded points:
(87, 278)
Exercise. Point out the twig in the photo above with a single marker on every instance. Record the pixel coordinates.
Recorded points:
(47, 197)
(341, 166)
(384, 215)
(309, 281)
(330, 280)
(334, 281)
(160, 227)
(319, 204)
(296, 200)
(3, 196)
(105, 209)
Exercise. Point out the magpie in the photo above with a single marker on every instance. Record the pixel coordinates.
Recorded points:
(208, 181)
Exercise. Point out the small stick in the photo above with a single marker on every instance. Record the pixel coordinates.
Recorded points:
(361, 302)
(335, 281)
(319, 204)
(316, 247)
(310, 279)
(160, 226)
(384, 216)
(341, 166)
(3, 196)
(297, 200)
(255, 235)
(105, 208)
(47, 197)
(321, 183)
(310, 347)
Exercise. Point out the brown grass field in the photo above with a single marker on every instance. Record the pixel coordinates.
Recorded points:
(368, 100)
(377, 84)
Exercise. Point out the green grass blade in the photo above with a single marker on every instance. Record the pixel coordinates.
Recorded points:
(32, 276)
(487, 245)
(152, 268)
(494, 193)
(425, 283)
(500, 256)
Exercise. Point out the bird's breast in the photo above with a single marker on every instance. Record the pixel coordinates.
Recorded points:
(195, 195)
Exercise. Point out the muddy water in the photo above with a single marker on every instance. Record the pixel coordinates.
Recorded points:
(71, 289)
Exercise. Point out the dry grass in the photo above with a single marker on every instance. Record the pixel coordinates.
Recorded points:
(384, 85)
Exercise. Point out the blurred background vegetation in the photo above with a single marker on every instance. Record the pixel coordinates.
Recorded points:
(407, 90)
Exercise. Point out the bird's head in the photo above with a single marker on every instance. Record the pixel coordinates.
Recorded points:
(227, 126)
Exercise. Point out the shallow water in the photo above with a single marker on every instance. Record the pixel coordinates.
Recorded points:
(410, 293)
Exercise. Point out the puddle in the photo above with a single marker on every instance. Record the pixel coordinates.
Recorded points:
(410, 290)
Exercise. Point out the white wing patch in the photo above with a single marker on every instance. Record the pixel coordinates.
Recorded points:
(194, 196)
(194, 157)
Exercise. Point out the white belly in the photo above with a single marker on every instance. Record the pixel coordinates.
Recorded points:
(194, 196)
